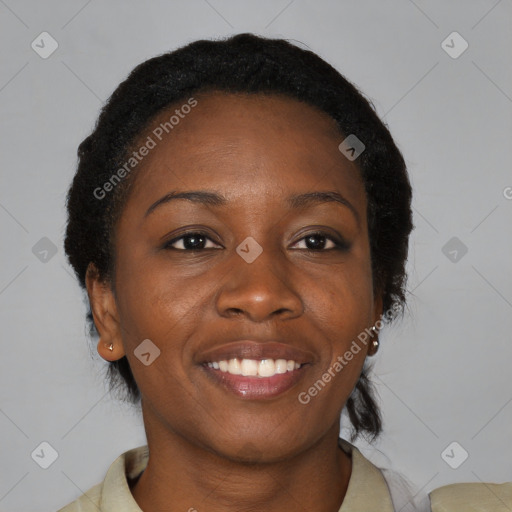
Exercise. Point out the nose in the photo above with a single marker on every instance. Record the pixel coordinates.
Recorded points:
(259, 290)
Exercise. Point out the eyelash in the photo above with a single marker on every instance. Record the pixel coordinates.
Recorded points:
(339, 245)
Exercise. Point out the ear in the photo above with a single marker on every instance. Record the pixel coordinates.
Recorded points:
(104, 312)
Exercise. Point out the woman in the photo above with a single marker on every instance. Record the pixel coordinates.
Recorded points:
(240, 220)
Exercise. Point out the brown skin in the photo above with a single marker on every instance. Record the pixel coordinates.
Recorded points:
(255, 150)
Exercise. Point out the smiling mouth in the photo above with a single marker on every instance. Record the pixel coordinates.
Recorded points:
(252, 379)
(255, 370)
(254, 367)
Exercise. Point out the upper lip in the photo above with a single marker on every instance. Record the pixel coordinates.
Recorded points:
(250, 349)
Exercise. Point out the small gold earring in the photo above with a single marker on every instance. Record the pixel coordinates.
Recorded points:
(111, 347)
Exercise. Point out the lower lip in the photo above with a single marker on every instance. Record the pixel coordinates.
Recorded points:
(256, 388)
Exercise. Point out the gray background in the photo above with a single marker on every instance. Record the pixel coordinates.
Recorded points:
(443, 373)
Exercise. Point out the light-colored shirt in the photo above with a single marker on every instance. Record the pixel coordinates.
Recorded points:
(367, 489)
(472, 497)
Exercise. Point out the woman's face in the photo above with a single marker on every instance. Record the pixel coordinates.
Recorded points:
(256, 272)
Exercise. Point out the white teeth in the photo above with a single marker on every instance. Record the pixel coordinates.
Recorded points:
(234, 367)
(249, 367)
(281, 366)
(266, 368)
(252, 367)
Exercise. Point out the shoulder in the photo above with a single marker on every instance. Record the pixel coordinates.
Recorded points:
(472, 497)
(367, 487)
(371, 485)
(89, 501)
(114, 492)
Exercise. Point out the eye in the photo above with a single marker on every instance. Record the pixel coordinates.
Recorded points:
(318, 240)
(197, 241)
(191, 241)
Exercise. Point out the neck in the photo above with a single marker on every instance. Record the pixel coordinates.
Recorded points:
(182, 476)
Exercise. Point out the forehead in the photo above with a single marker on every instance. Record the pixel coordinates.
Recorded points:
(244, 143)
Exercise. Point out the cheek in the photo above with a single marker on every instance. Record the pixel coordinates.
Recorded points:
(155, 307)
(342, 308)
(152, 296)
(343, 315)
(343, 303)
(158, 303)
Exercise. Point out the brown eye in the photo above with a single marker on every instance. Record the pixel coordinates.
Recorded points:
(191, 241)
(320, 241)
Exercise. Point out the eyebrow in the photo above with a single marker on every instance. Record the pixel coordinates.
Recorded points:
(297, 201)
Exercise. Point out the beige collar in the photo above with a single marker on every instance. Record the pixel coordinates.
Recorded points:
(367, 488)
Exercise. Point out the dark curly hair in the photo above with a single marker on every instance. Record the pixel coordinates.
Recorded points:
(249, 64)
